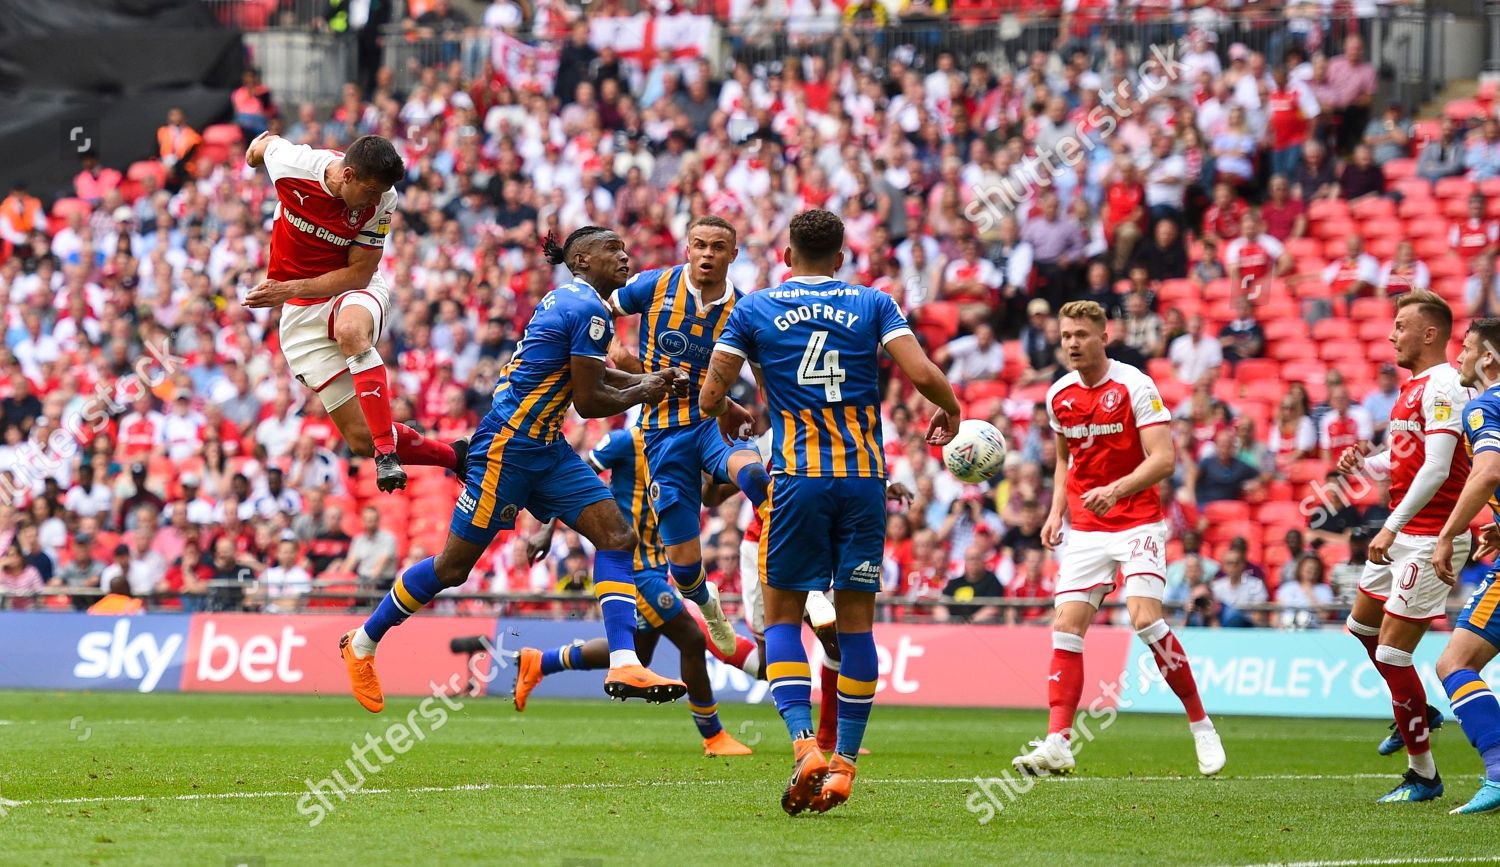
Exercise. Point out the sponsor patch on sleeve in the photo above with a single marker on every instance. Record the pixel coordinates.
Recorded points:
(1476, 419)
(596, 327)
(1442, 409)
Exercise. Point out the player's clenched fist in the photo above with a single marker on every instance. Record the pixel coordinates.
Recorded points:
(1052, 531)
(655, 386)
(677, 381)
(1352, 458)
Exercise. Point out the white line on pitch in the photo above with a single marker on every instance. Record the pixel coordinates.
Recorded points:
(1362, 861)
(528, 787)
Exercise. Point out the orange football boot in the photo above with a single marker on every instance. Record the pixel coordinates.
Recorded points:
(529, 674)
(724, 744)
(836, 784)
(807, 776)
(638, 681)
(362, 679)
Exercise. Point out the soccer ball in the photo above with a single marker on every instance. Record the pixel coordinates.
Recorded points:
(976, 453)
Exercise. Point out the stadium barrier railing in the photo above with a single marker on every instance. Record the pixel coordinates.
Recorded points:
(337, 597)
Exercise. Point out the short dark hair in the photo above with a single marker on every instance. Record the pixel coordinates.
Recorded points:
(1487, 330)
(716, 222)
(557, 253)
(817, 235)
(375, 158)
(1431, 305)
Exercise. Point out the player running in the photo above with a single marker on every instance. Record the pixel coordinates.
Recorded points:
(520, 460)
(816, 341)
(1427, 471)
(683, 310)
(659, 607)
(1113, 446)
(333, 213)
(1476, 637)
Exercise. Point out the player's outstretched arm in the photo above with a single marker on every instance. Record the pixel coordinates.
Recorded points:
(1484, 479)
(255, 154)
(363, 262)
(599, 392)
(713, 399)
(931, 383)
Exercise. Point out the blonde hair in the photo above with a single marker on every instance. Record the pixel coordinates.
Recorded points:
(1431, 305)
(1089, 310)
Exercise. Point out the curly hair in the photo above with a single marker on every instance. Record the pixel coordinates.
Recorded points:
(817, 235)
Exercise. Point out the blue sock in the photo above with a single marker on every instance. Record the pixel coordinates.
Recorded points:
(755, 482)
(790, 677)
(569, 657)
(1479, 714)
(412, 590)
(858, 668)
(614, 587)
(706, 718)
(690, 581)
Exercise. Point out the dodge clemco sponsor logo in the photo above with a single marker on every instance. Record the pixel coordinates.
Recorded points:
(117, 654)
(318, 232)
(1080, 431)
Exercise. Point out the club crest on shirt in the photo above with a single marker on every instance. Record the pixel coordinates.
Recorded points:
(1414, 398)
(353, 218)
(509, 512)
(664, 599)
(1111, 399)
(596, 327)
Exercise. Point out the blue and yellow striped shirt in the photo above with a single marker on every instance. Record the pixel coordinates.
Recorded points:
(623, 454)
(1482, 432)
(535, 388)
(817, 342)
(675, 330)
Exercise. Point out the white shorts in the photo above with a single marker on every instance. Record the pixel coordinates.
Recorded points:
(1408, 586)
(819, 609)
(309, 346)
(1090, 561)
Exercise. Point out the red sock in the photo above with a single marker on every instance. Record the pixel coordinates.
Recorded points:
(828, 708)
(1370, 641)
(417, 450)
(1064, 684)
(1172, 661)
(1408, 698)
(374, 394)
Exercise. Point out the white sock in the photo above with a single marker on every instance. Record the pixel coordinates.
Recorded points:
(363, 644)
(751, 665)
(1423, 764)
(622, 658)
(1201, 726)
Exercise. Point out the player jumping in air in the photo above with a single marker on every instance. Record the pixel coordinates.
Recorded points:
(333, 212)
(1427, 471)
(520, 460)
(1113, 446)
(816, 341)
(660, 608)
(1476, 636)
(683, 310)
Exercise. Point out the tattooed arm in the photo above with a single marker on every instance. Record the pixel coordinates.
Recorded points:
(735, 422)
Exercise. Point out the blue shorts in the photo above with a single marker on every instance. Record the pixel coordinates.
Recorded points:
(656, 599)
(678, 458)
(509, 472)
(1481, 614)
(822, 532)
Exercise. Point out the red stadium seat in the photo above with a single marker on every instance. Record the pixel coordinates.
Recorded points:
(1429, 247)
(223, 134)
(1329, 329)
(1327, 209)
(1413, 207)
(1226, 510)
(1337, 350)
(1304, 248)
(1254, 369)
(984, 390)
(1446, 265)
(1279, 512)
(1267, 391)
(1285, 329)
(1293, 350)
(1374, 208)
(937, 322)
(1307, 471)
(139, 171)
(1382, 248)
(1160, 369)
(1455, 209)
(1172, 290)
(1398, 169)
(1453, 188)
(1428, 227)
(1490, 187)
(65, 207)
(1341, 228)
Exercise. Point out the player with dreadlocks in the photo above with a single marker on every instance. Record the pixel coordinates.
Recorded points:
(518, 459)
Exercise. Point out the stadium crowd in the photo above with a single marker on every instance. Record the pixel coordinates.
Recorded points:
(981, 194)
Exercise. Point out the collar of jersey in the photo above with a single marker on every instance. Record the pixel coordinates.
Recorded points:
(1428, 371)
(812, 280)
(687, 281)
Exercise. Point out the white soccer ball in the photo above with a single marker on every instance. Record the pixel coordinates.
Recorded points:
(976, 453)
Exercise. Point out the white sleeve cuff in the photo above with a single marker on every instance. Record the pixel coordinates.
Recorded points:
(732, 350)
(887, 337)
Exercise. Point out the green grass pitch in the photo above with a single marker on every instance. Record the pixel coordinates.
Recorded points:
(206, 779)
